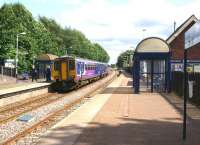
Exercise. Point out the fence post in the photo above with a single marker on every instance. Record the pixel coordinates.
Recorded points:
(11, 72)
(2, 71)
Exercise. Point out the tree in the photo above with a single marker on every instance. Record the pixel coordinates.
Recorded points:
(74, 42)
(124, 59)
(43, 36)
(14, 19)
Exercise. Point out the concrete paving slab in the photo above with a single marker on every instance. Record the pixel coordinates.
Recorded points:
(68, 130)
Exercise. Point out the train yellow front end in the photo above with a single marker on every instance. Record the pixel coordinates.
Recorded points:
(64, 73)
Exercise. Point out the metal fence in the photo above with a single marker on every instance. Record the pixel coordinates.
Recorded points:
(5, 71)
(177, 85)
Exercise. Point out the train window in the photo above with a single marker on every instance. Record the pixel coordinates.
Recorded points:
(56, 65)
(71, 64)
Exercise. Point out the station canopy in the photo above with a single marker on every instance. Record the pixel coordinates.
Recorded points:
(152, 45)
(46, 57)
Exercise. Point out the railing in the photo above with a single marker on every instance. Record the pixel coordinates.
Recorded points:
(5, 71)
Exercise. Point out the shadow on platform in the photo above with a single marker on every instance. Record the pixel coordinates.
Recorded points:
(130, 83)
(118, 90)
(128, 75)
(129, 132)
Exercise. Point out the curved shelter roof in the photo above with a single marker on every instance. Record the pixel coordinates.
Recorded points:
(46, 57)
(152, 45)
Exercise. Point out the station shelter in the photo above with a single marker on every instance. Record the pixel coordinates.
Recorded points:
(151, 66)
(42, 62)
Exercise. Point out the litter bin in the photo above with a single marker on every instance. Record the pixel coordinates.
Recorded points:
(190, 86)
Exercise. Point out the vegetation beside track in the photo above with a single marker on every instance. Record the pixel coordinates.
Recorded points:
(44, 35)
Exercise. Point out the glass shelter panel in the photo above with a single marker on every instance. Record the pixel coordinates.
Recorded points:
(159, 75)
(145, 75)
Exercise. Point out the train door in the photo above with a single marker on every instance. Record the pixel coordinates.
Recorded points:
(78, 68)
(82, 69)
(63, 70)
(71, 69)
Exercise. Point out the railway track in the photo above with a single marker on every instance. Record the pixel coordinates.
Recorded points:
(45, 122)
(11, 112)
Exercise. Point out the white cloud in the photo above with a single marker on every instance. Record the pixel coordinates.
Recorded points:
(102, 20)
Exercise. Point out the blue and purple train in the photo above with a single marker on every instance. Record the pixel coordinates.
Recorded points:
(71, 71)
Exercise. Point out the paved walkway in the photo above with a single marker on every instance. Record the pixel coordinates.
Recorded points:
(124, 119)
(21, 87)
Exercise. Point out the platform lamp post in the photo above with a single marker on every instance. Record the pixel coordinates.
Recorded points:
(17, 52)
(188, 39)
(185, 94)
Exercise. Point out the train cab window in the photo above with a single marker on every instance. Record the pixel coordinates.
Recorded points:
(56, 65)
(71, 64)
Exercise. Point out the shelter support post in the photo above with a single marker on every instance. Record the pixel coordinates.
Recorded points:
(136, 76)
(152, 72)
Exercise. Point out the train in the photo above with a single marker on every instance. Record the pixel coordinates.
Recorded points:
(70, 72)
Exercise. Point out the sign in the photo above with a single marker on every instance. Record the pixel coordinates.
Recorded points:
(10, 63)
(192, 36)
(197, 68)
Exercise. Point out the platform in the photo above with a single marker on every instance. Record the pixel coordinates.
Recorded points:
(118, 117)
(21, 87)
(22, 91)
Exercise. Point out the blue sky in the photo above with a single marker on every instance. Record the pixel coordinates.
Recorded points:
(116, 24)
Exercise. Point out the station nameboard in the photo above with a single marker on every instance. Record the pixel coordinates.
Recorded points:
(192, 36)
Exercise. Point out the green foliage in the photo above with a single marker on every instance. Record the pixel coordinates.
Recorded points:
(113, 65)
(15, 19)
(74, 42)
(43, 36)
(124, 58)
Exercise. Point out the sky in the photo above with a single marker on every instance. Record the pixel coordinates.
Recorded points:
(117, 25)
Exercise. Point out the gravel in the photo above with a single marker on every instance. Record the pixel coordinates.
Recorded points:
(11, 128)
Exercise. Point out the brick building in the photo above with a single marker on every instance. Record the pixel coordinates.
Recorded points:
(176, 42)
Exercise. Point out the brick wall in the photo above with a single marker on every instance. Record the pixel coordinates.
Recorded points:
(177, 47)
(194, 52)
